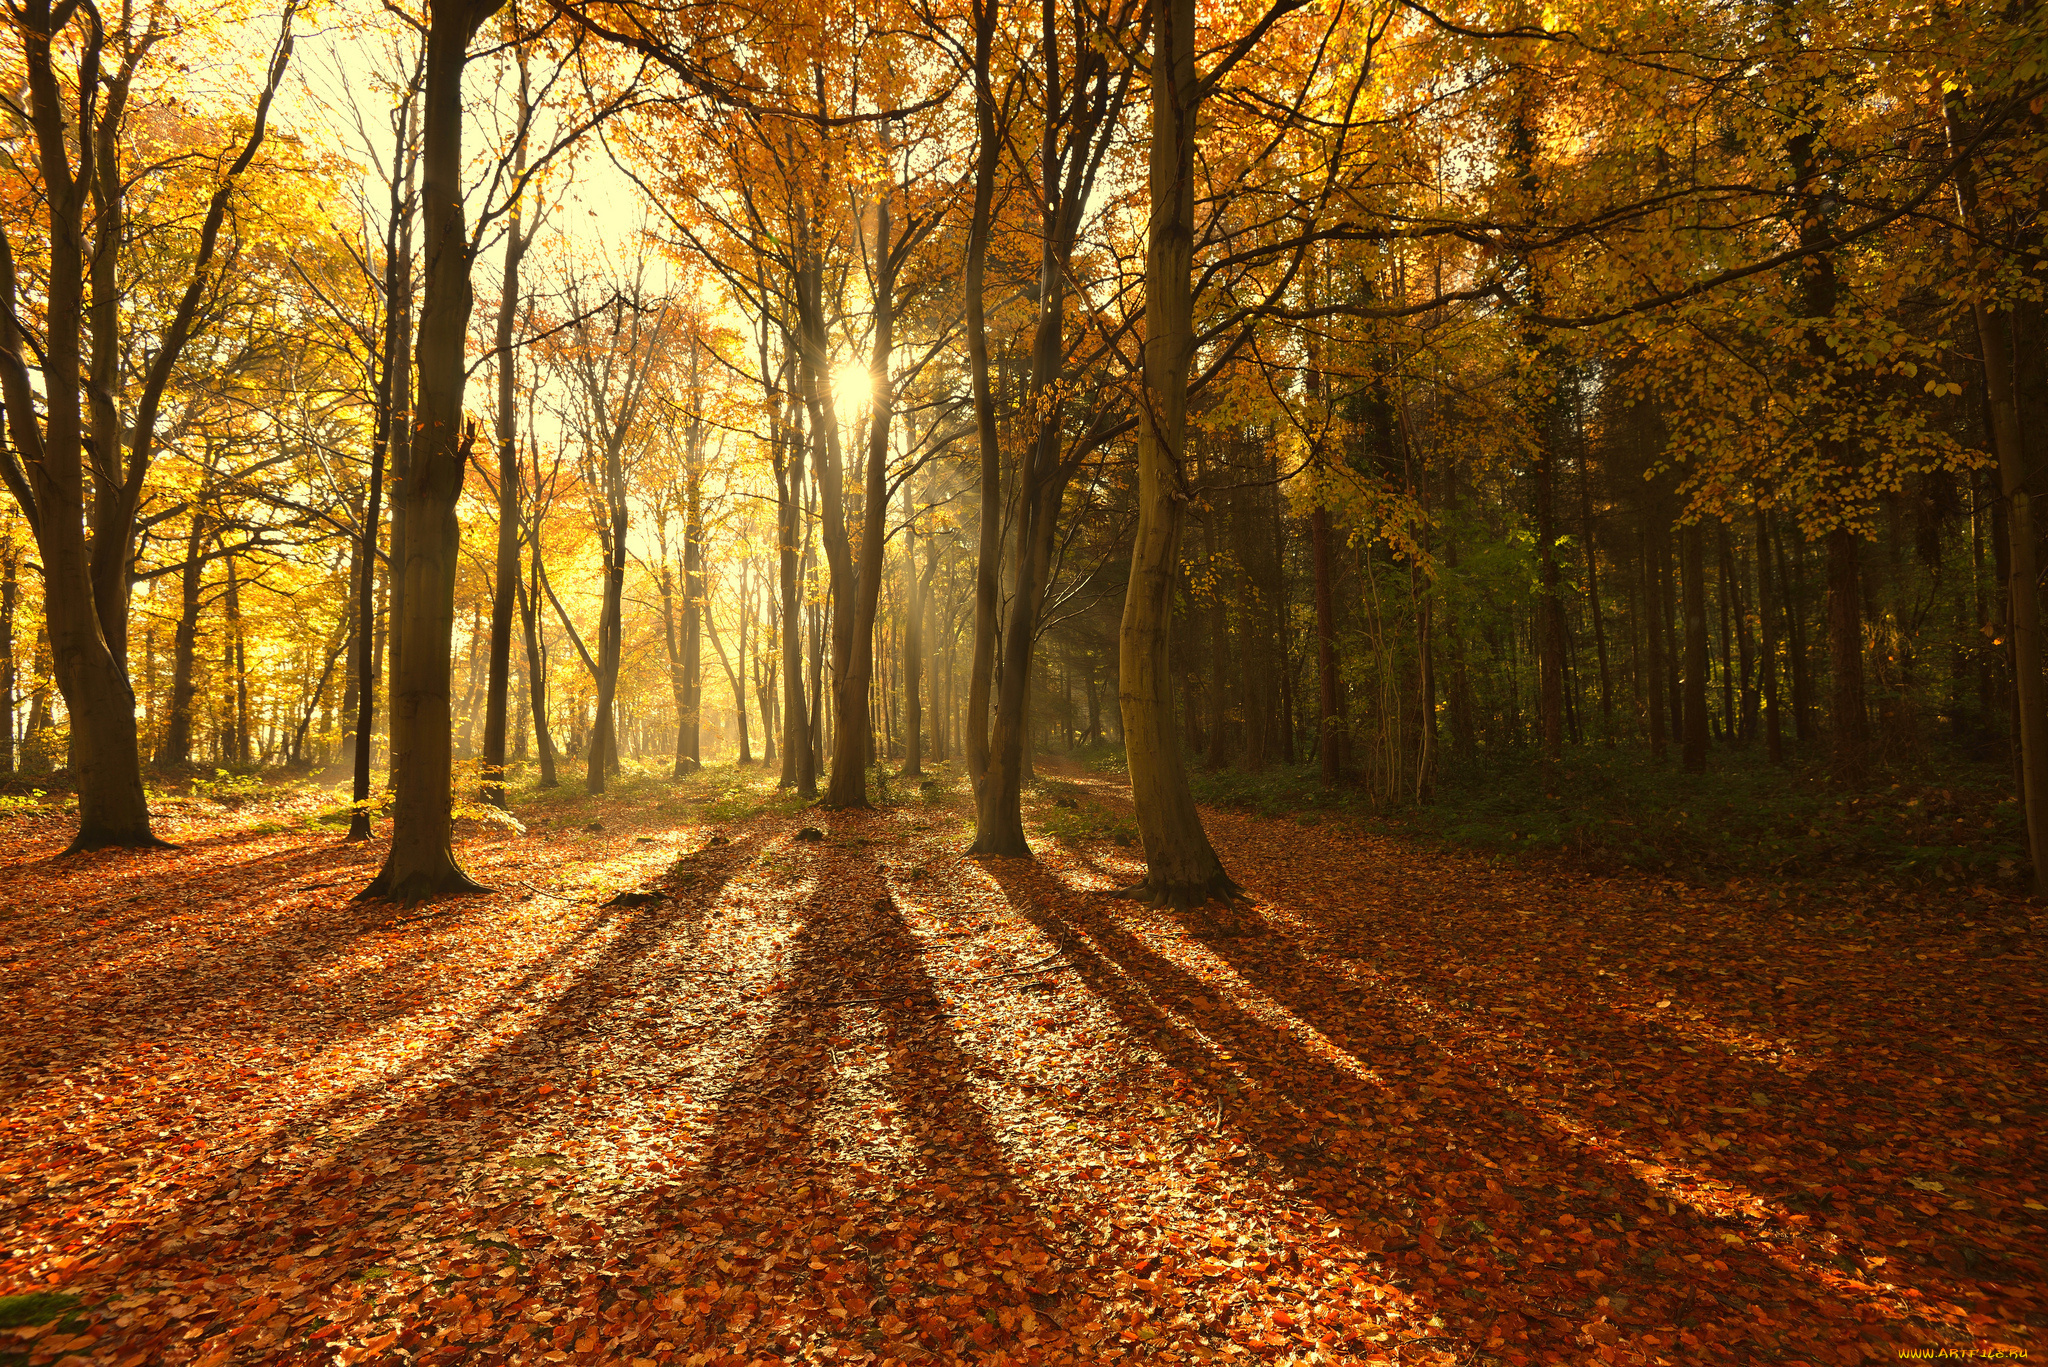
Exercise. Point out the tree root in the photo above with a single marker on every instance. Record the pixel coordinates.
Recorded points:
(420, 886)
(1218, 887)
(87, 841)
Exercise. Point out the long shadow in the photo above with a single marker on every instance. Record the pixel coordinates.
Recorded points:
(120, 968)
(1773, 1130)
(341, 1205)
(1503, 1223)
(1800, 1128)
(852, 1192)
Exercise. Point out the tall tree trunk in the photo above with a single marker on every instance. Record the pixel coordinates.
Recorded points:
(1693, 572)
(1998, 340)
(235, 660)
(393, 369)
(1180, 865)
(2022, 584)
(913, 645)
(398, 462)
(604, 729)
(10, 564)
(1328, 717)
(176, 747)
(765, 690)
(854, 648)
(1850, 726)
(505, 583)
(1653, 651)
(987, 159)
(737, 677)
(1549, 606)
(1593, 586)
(49, 480)
(798, 770)
(1726, 605)
(537, 693)
(689, 756)
(1774, 731)
(421, 861)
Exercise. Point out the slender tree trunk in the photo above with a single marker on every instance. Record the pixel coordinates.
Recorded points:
(736, 676)
(1845, 658)
(398, 463)
(1653, 651)
(1593, 589)
(765, 690)
(1724, 574)
(236, 659)
(798, 770)
(1693, 571)
(10, 564)
(1549, 605)
(1774, 736)
(854, 649)
(537, 678)
(394, 365)
(603, 756)
(913, 645)
(689, 754)
(505, 584)
(1328, 718)
(176, 747)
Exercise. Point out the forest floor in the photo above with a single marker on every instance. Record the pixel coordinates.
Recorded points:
(860, 1099)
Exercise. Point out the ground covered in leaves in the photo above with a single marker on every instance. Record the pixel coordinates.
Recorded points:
(856, 1099)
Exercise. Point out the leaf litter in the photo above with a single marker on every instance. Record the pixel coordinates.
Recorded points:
(859, 1099)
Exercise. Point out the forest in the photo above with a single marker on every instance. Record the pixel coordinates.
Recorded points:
(1310, 682)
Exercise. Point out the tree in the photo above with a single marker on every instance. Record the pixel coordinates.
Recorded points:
(421, 861)
(86, 547)
(1180, 865)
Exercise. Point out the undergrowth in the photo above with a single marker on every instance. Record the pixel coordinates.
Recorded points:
(1944, 825)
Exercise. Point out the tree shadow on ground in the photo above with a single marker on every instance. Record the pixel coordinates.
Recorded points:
(1648, 1085)
(467, 1102)
(1515, 1224)
(854, 1166)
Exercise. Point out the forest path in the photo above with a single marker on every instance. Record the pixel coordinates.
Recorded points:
(860, 1099)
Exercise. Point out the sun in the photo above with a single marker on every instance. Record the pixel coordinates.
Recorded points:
(853, 387)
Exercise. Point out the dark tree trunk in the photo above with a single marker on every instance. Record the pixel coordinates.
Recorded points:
(421, 861)
(176, 747)
(1767, 654)
(1850, 726)
(1693, 571)
(505, 583)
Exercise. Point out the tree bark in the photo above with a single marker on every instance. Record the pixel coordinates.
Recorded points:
(1692, 570)
(1180, 865)
(421, 861)
(10, 566)
(798, 771)
(854, 646)
(913, 645)
(1767, 653)
(176, 748)
(505, 583)
(989, 544)
(2002, 354)
(1850, 726)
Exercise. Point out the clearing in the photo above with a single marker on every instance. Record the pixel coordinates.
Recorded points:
(857, 1099)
